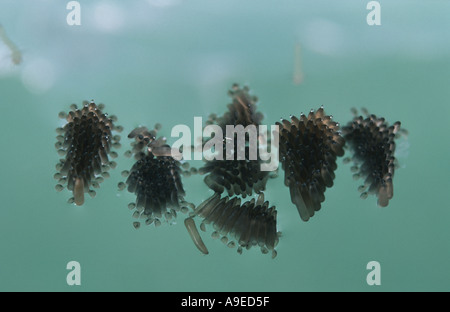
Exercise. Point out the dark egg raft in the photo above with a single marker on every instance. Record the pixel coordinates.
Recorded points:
(309, 147)
(246, 225)
(237, 176)
(371, 140)
(155, 178)
(86, 141)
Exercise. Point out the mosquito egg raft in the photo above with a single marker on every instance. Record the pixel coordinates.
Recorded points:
(308, 147)
(371, 140)
(240, 177)
(250, 224)
(87, 142)
(155, 177)
(242, 110)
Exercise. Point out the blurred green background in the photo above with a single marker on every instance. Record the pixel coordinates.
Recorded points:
(168, 61)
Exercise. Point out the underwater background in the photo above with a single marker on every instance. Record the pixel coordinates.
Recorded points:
(167, 61)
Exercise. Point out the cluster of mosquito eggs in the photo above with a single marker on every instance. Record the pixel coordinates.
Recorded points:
(168, 215)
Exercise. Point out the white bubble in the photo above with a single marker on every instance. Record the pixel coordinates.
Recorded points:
(213, 69)
(108, 17)
(324, 37)
(39, 75)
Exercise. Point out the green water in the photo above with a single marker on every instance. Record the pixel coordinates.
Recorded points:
(168, 61)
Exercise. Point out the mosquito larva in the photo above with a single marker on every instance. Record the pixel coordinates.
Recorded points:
(16, 56)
